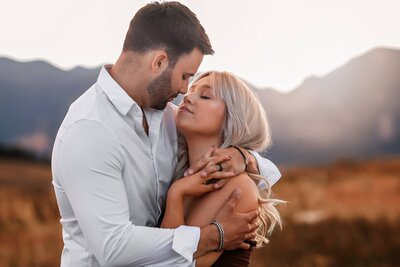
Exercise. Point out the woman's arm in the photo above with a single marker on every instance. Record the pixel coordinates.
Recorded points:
(174, 213)
(203, 209)
(189, 186)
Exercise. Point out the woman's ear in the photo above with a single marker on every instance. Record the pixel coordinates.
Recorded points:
(159, 62)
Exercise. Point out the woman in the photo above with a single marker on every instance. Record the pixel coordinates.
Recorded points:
(219, 110)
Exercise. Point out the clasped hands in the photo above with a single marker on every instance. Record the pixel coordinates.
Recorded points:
(218, 164)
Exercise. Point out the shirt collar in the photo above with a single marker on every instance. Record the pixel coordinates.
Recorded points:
(118, 97)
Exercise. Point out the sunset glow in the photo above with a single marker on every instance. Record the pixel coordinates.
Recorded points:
(269, 43)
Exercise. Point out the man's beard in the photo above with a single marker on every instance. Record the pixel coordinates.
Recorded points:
(158, 88)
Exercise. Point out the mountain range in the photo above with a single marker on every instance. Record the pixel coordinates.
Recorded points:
(351, 112)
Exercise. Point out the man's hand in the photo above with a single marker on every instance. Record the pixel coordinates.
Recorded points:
(238, 226)
(228, 159)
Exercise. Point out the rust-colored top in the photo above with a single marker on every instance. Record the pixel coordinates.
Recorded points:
(233, 258)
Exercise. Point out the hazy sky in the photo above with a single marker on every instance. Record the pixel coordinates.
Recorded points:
(270, 43)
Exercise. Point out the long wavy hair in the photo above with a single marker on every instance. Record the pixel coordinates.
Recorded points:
(246, 126)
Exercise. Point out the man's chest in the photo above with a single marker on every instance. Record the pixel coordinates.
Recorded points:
(149, 164)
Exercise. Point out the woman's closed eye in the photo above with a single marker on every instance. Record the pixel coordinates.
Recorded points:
(205, 97)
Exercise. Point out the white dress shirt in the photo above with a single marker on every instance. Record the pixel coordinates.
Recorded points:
(111, 180)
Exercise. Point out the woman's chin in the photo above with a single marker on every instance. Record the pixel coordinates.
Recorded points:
(183, 128)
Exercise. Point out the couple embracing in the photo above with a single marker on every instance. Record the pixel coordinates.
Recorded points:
(141, 182)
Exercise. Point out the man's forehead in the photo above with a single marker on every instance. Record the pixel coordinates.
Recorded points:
(190, 62)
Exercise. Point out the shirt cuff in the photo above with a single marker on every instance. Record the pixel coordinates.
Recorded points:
(186, 240)
(267, 169)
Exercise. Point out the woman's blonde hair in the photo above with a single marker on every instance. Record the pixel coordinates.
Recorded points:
(245, 126)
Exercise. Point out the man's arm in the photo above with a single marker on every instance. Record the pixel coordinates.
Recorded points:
(89, 169)
(256, 163)
(233, 163)
(265, 168)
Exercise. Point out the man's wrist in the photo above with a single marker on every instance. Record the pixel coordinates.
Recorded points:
(220, 233)
(252, 167)
(243, 155)
(209, 240)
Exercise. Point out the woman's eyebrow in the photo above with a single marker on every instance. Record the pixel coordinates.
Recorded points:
(206, 86)
(191, 88)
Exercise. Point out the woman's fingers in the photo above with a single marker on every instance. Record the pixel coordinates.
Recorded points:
(212, 187)
(219, 176)
(221, 183)
(203, 189)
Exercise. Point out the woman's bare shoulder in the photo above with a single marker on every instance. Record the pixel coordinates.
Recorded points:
(202, 210)
(249, 193)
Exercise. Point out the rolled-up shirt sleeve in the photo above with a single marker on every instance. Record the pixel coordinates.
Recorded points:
(267, 169)
(89, 168)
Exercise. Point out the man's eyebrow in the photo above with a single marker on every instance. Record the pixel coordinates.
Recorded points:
(189, 74)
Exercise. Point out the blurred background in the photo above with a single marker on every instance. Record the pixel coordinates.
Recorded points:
(326, 72)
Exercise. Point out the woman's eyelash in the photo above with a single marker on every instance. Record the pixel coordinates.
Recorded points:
(205, 97)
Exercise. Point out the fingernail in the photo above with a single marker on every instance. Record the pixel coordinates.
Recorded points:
(190, 172)
(237, 192)
(185, 173)
(204, 174)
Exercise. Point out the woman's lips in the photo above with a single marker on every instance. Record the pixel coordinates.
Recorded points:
(184, 108)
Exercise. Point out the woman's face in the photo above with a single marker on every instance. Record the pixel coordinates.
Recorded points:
(200, 112)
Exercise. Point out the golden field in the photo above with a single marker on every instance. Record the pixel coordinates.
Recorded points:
(343, 214)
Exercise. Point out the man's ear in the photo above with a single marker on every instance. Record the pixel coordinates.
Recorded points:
(159, 62)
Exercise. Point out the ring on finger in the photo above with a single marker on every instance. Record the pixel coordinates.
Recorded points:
(220, 167)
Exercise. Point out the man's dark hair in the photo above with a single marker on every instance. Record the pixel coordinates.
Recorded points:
(170, 26)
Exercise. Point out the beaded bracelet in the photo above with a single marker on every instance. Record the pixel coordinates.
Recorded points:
(221, 234)
(246, 162)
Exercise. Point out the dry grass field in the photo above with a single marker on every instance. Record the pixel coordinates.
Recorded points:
(343, 214)
(30, 233)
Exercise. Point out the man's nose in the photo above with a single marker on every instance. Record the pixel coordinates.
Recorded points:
(184, 87)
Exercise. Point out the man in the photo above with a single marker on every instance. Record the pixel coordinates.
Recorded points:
(115, 153)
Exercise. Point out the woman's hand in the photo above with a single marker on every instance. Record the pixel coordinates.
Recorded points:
(192, 186)
(189, 186)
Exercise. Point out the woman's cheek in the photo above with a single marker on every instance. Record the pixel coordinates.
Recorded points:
(217, 110)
